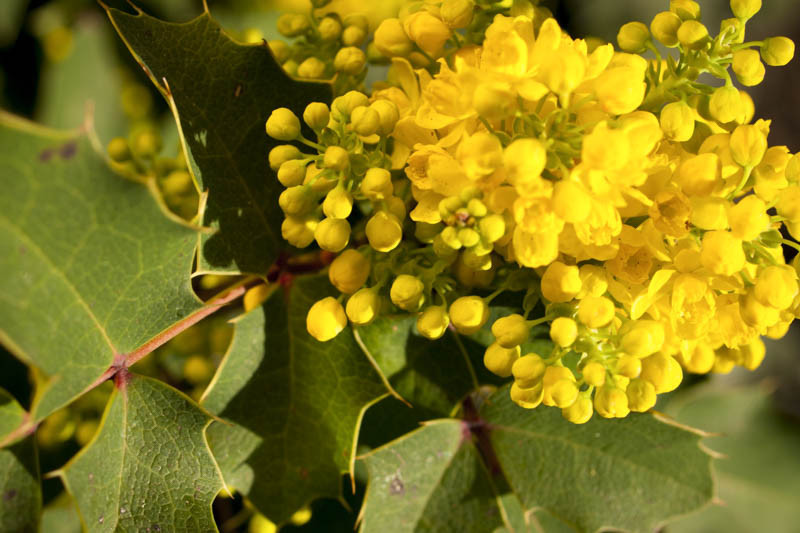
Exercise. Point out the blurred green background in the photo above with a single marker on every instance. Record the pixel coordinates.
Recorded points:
(59, 58)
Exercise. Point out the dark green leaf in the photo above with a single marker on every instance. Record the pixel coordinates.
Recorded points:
(60, 516)
(12, 415)
(11, 15)
(20, 490)
(91, 267)
(632, 473)
(759, 475)
(149, 467)
(223, 93)
(432, 479)
(297, 404)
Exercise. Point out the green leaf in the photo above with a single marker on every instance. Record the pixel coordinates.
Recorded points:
(12, 416)
(60, 516)
(87, 74)
(149, 467)
(633, 473)
(432, 479)
(11, 15)
(759, 474)
(297, 404)
(92, 268)
(20, 490)
(222, 93)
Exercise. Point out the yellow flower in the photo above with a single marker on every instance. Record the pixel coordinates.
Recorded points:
(326, 319)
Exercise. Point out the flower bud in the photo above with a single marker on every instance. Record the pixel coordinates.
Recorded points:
(722, 253)
(311, 68)
(377, 184)
(332, 234)
(748, 218)
(388, 116)
(326, 319)
(283, 125)
(407, 292)
(432, 322)
(511, 330)
(629, 366)
(292, 172)
(753, 353)
(350, 60)
(255, 297)
(662, 371)
(280, 50)
(298, 231)
(457, 14)
(620, 90)
(563, 331)
(384, 231)
(633, 37)
(297, 200)
(336, 158)
(528, 370)
(580, 411)
(685, 9)
(594, 373)
(118, 150)
(281, 154)
(677, 121)
(725, 104)
(693, 34)
(776, 286)
(698, 175)
(391, 39)
(646, 337)
(745, 9)
(560, 282)
(777, 51)
(427, 31)
(468, 314)
(349, 271)
(329, 29)
(611, 402)
(338, 203)
(365, 121)
(347, 102)
(596, 312)
(748, 67)
(559, 386)
(527, 398)
(665, 28)
(293, 24)
(700, 359)
(641, 395)
(748, 145)
(363, 306)
(499, 359)
(354, 36)
(316, 115)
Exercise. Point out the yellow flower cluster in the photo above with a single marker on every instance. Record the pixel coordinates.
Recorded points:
(641, 207)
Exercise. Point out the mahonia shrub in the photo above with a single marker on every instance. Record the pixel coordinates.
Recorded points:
(405, 279)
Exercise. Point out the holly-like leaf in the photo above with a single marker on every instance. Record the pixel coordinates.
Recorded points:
(297, 404)
(20, 490)
(432, 479)
(149, 467)
(759, 474)
(222, 93)
(92, 268)
(632, 474)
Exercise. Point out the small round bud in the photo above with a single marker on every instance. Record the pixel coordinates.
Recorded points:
(292, 173)
(349, 271)
(560, 282)
(391, 39)
(745, 9)
(559, 386)
(255, 297)
(433, 322)
(316, 115)
(528, 370)
(633, 37)
(297, 200)
(377, 184)
(777, 51)
(748, 145)
(662, 371)
(725, 104)
(197, 369)
(748, 67)
(365, 121)
(147, 143)
(580, 411)
(563, 331)
(594, 373)
(280, 50)
(347, 102)
(700, 360)
(427, 31)
(788, 205)
(118, 150)
(527, 398)
(748, 218)
(645, 337)
(722, 253)
(611, 402)
(363, 306)
(692, 34)
(283, 125)
(338, 203)
(326, 319)
(290, 67)
(685, 9)
(281, 154)
(354, 36)
(677, 121)
(457, 14)
(293, 24)
(407, 292)
(332, 234)
(330, 29)
(596, 312)
(629, 366)
(665, 28)
(511, 330)
(776, 286)
(350, 60)
(499, 360)
(384, 231)
(641, 395)
(468, 314)
(336, 158)
(311, 68)
(298, 231)
(388, 116)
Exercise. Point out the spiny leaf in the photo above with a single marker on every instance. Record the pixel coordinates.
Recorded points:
(149, 467)
(759, 475)
(20, 489)
(631, 474)
(432, 479)
(223, 93)
(91, 267)
(296, 402)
